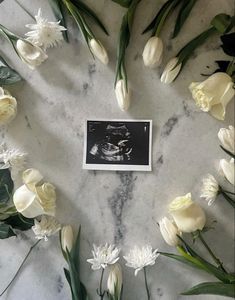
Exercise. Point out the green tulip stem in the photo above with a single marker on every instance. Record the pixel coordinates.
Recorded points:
(216, 259)
(146, 283)
(101, 293)
(20, 267)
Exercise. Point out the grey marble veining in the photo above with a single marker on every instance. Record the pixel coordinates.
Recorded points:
(121, 207)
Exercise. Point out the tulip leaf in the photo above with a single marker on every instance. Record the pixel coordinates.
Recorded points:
(228, 45)
(58, 10)
(19, 222)
(6, 231)
(7, 74)
(89, 12)
(222, 23)
(6, 185)
(183, 14)
(76, 250)
(212, 288)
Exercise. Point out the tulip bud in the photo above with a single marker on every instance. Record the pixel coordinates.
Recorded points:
(8, 107)
(171, 71)
(169, 232)
(122, 95)
(152, 54)
(188, 215)
(226, 137)
(114, 283)
(67, 238)
(227, 169)
(99, 51)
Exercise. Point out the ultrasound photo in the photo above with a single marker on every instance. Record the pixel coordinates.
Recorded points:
(118, 145)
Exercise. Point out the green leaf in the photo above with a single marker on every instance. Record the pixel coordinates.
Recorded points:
(58, 11)
(74, 278)
(6, 185)
(19, 222)
(212, 288)
(221, 22)
(183, 14)
(75, 251)
(124, 3)
(6, 231)
(8, 76)
(67, 276)
(90, 13)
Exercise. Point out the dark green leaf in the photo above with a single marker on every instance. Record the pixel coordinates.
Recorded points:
(67, 276)
(74, 278)
(89, 12)
(8, 76)
(183, 14)
(75, 252)
(58, 11)
(228, 45)
(19, 222)
(212, 288)
(221, 22)
(6, 185)
(6, 231)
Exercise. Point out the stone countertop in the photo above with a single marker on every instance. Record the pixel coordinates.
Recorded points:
(121, 207)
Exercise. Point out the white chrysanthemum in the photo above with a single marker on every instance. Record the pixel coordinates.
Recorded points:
(13, 159)
(46, 227)
(103, 256)
(44, 33)
(210, 189)
(138, 258)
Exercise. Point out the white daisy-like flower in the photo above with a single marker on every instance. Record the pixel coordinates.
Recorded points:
(138, 258)
(103, 256)
(13, 159)
(44, 33)
(46, 227)
(210, 189)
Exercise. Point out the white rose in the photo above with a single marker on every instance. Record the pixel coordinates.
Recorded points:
(122, 95)
(226, 137)
(213, 94)
(114, 282)
(67, 238)
(171, 71)
(152, 54)
(169, 232)
(187, 214)
(31, 54)
(227, 169)
(99, 51)
(8, 107)
(33, 199)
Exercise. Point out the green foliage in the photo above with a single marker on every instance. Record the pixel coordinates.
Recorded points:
(124, 3)
(6, 231)
(19, 222)
(7, 74)
(6, 185)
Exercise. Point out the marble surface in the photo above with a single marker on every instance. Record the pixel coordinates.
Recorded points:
(122, 207)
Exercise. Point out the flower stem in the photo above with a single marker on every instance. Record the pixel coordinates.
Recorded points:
(229, 199)
(20, 267)
(146, 283)
(216, 259)
(101, 293)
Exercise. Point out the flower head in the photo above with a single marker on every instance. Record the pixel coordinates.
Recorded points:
(99, 51)
(114, 282)
(169, 232)
(67, 238)
(46, 227)
(152, 54)
(210, 189)
(12, 158)
(171, 71)
(122, 94)
(44, 33)
(227, 169)
(103, 256)
(8, 107)
(213, 94)
(138, 258)
(226, 137)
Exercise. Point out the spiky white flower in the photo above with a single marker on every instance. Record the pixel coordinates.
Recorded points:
(103, 256)
(13, 159)
(44, 33)
(46, 227)
(138, 258)
(210, 189)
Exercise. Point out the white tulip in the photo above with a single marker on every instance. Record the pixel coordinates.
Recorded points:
(122, 95)
(226, 137)
(67, 238)
(33, 199)
(29, 53)
(169, 232)
(8, 107)
(152, 54)
(227, 169)
(171, 71)
(99, 51)
(213, 94)
(187, 214)
(114, 282)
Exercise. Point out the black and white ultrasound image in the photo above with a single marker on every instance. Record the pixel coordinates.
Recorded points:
(124, 143)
